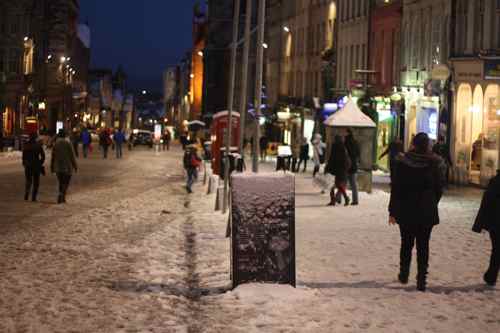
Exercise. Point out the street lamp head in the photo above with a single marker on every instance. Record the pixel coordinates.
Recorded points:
(26, 38)
(63, 59)
(200, 53)
(144, 92)
(264, 45)
(287, 29)
(191, 76)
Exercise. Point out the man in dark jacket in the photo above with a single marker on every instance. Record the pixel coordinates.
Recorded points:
(354, 152)
(105, 141)
(119, 139)
(416, 189)
(63, 164)
(488, 219)
(33, 159)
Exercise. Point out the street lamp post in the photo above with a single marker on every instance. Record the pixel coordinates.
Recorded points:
(258, 83)
(230, 101)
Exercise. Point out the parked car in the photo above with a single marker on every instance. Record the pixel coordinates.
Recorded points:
(142, 137)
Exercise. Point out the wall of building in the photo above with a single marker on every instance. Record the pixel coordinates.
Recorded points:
(352, 46)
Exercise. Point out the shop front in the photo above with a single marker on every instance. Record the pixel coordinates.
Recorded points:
(388, 111)
(476, 121)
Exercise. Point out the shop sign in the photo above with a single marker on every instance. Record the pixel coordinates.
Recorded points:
(467, 71)
(492, 69)
(440, 72)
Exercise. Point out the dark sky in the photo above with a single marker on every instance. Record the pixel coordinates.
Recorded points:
(142, 35)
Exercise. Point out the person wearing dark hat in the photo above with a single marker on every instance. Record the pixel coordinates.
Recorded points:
(416, 189)
(33, 159)
(63, 164)
(488, 219)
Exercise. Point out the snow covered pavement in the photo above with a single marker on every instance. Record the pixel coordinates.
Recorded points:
(131, 252)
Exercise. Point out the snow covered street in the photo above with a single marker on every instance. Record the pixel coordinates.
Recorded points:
(132, 252)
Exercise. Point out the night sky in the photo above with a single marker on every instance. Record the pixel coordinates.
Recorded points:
(143, 36)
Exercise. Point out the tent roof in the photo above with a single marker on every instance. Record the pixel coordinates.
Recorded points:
(226, 113)
(349, 116)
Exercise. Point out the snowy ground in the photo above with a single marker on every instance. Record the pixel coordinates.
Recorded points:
(131, 252)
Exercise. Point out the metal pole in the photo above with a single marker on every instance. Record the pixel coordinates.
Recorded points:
(258, 83)
(244, 75)
(230, 101)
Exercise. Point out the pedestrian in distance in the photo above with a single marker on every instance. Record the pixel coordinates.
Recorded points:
(33, 160)
(443, 150)
(318, 153)
(304, 155)
(119, 139)
(167, 137)
(338, 164)
(393, 149)
(263, 145)
(63, 164)
(86, 141)
(105, 141)
(192, 163)
(416, 189)
(488, 219)
(354, 152)
(295, 154)
(75, 141)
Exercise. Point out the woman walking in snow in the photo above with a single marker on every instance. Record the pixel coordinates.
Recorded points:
(33, 159)
(318, 153)
(338, 164)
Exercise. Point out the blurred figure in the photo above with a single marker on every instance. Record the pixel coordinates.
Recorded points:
(354, 152)
(86, 141)
(416, 189)
(1, 140)
(263, 145)
(443, 150)
(63, 164)
(318, 153)
(304, 154)
(167, 137)
(191, 164)
(488, 219)
(33, 159)
(119, 139)
(75, 141)
(105, 141)
(394, 148)
(477, 152)
(338, 164)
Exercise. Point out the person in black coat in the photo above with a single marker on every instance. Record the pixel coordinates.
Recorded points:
(416, 189)
(338, 164)
(304, 154)
(354, 152)
(488, 219)
(33, 159)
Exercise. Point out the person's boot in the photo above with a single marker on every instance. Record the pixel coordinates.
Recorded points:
(60, 198)
(422, 282)
(33, 197)
(490, 281)
(347, 201)
(403, 276)
(332, 199)
(26, 196)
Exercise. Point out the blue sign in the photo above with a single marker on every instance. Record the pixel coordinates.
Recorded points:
(492, 69)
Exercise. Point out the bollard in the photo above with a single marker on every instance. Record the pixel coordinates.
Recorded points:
(219, 198)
